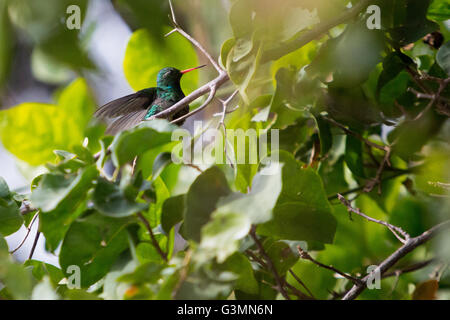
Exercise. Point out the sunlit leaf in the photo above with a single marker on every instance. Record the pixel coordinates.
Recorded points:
(145, 56)
(31, 131)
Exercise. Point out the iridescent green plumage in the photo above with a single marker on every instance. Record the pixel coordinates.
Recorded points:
(128, 111)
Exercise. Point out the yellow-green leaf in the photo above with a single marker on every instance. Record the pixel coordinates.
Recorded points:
(145, 56)
(31, 131)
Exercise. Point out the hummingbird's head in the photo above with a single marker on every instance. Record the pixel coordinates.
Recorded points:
(168, 77)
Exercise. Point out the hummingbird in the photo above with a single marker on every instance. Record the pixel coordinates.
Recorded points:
(128, 111)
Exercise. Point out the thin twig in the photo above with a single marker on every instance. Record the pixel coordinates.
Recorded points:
(434, 97)
(270, 264)
(409, 246)
(377, 180)
(411, 268)
(210, 87)
(36, 239)
(152, 236)
(211, 95)
(394, 229)
(300, 282)
(355, 134)
(305, 255)
(183, 273)
(26, 236)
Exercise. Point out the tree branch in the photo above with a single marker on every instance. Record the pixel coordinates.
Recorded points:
(394, 229)
(152, 236)
(210, 87)
(270, 264)
(409, 246)
(305, 255)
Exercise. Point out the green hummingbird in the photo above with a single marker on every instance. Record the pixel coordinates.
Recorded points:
(130, 110)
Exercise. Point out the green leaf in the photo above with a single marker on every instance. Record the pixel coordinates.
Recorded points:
(412, 136)
(206, 283)
(48, 69)
(240, 16)
(172, 212)
(160, 163)
(325, 136)
(439, 10)
(242, 68)
(61, 199)
(4, 189)
(148, 135)
(354, 155)
(3, 246)
(41, 269)
(443, 57)
(281, 255)
(296, 19)
(16, 279)
(93, 244)
(112, 201)
(256, 205)
(302, 211)
(10, 218)
(406, 20)
(58, 191)
(201, 200)
(225, 50)
(220, 236)
(145, 56)
(350, 57)
(299, 221)
(240, 265)
(288, 102)
(393, 64)
(149, 272)
(31, 131)
(332, 174)
(162, 193)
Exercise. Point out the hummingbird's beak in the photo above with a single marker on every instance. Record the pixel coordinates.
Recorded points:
(191, 69)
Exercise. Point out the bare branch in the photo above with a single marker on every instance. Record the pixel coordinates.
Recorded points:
(270, 264)
(394, 229)
(355, 134)
(409, 246)
(26, 236)
(301, 282)
(178, 29)
(36, 239)
(211, 95)
(211, 86)
(305, 255)
(411, 268)
(433, 97)
(152, 236)
(377, 180)
(216, 83)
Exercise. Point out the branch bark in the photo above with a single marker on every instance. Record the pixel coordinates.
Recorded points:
(210, 87)
(409, 246)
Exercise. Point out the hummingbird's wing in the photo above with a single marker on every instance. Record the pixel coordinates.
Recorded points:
(127, 111)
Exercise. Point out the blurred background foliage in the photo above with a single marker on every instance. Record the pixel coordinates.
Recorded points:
(332, 97)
